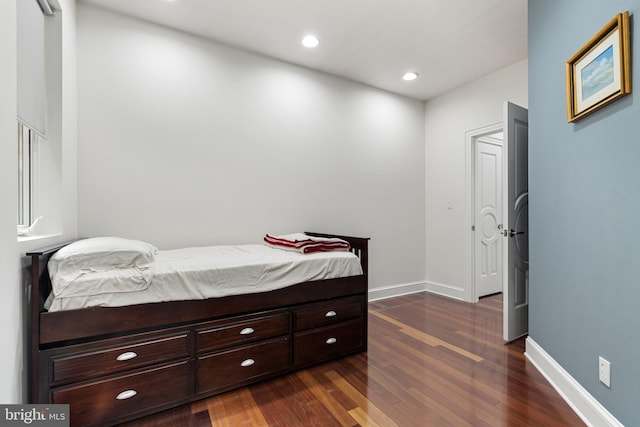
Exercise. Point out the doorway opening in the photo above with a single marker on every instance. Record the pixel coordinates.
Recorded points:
(496, 217)
(483, 214)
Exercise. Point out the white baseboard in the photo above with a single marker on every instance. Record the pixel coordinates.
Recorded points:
(415, 287)
(445, 290)
(396, 290)
(580, 400)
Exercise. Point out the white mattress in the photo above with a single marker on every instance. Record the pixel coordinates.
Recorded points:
(210, 272)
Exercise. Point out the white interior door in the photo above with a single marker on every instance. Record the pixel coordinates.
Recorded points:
(516, 220)
(488, 213)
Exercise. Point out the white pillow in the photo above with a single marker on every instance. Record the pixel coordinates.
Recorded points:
(101, 254)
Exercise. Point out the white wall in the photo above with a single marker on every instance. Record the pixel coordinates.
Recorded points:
(69, 159)
(10, 303)
(57, 154)
(187, 142)
(12, 273)
(447, 119)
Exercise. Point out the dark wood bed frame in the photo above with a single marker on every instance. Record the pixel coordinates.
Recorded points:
(113, 364)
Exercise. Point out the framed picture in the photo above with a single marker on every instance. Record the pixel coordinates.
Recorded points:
(600, 72)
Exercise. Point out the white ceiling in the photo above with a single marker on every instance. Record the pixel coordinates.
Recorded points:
(449, 42)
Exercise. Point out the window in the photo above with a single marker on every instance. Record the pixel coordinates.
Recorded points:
(27, 146)
(39, 77)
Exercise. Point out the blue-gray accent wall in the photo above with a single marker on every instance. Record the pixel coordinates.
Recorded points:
(584, 209)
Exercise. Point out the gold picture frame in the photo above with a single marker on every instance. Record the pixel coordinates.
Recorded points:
(600, 72)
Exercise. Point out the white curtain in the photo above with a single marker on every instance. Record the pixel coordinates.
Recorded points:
(31, 65)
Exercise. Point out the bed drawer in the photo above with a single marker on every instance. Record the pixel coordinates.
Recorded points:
(223, 334)
(103, 360)
(242, 365)
(98, 402)
(326, 343)
(328, 312)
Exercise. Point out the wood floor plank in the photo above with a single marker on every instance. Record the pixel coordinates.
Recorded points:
(363, 418)
(436, 368)
(339, 407)
(235, 409)
(431, 362)
(426, 338)
(287, 401)
(361, 400)
(199, 406)
(443, 413)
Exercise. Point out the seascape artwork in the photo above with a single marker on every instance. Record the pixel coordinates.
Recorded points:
(598, 74)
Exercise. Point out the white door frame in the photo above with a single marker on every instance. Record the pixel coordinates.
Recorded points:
(470, 292)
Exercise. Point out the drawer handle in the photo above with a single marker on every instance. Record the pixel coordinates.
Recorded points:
(330, 314)
(126, 356)
(331, 341)
(247, 331)
(127, 394)
(247, 362)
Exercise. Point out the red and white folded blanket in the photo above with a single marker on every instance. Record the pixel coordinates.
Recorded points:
(303, 243)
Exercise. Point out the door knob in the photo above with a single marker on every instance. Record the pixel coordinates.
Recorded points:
(513, 232)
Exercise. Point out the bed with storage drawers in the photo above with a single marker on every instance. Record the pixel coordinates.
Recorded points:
(116, 363)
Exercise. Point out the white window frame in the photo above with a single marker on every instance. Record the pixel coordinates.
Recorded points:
(27, 167)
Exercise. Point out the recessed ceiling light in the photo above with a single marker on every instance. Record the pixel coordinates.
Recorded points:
(310, 41)
(412, 75)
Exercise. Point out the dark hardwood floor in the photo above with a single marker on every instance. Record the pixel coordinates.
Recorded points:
(431, 362)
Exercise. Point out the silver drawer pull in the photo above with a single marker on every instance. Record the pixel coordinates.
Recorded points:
(127, 394)
(247, 362)
(331, 341)
(247, 331)
(126, 356)
(330, 314)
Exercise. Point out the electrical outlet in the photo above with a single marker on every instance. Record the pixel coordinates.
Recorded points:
(604, 371)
